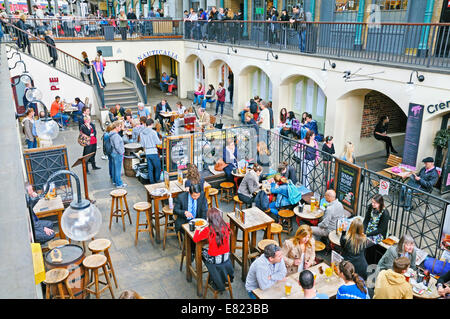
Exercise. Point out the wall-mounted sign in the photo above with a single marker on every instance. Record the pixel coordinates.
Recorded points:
(54, 84)
(432, 108)
(346, 184)
(171, 54)
(412, 136)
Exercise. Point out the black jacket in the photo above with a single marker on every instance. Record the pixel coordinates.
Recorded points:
(358, 259)
(427, 180)
(159, 108)
(51, 48)
(290, 174)
(382, 224)
(181, 206)
(86, 131)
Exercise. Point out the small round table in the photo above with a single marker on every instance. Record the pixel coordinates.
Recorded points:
(311, 217)
(335, 238)
(237, 178)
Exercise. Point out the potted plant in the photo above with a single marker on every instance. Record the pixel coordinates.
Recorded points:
(441, 142)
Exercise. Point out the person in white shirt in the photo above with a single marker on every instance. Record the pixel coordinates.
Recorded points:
(263, 120)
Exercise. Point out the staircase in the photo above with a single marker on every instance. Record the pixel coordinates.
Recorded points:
(121, 93)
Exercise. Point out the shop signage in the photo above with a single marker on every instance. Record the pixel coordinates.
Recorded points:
(412, 136)
(346, 184)
(171, 54)
(54, 84)
(432, 108)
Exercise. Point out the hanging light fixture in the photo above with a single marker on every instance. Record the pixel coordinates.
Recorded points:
(410, 86)
(46, 127)
(82, 219)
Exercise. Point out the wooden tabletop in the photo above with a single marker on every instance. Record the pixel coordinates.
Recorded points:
(335, 237)
(49, 205)
(307, 214)
(403, 175)
(174, 187)
(168, 114)
(427, 294)
(253, 217)
(323, 286)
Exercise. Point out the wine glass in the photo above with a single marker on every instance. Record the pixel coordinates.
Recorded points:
(328, 273)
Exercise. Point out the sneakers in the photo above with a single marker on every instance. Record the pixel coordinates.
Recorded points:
(122, 186)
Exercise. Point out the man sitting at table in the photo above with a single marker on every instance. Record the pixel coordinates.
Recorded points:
(425, 180)
(266, 270)
(42, 228)
(190, 205)
(142, 110)
(204, 119)
(392, 284)
(306, 281)
(56, 112)
(162, 106)
(333, 213)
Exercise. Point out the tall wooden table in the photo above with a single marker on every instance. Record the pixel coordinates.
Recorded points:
(255, 219)
(82, 160)
(323, 286)
(51, 207)
(196, 272)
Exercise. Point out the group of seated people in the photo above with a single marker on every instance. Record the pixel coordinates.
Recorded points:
(59, 114)
(168, 83)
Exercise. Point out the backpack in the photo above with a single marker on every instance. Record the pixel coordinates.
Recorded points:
(262, 201)
(107, 146)
(294, 194)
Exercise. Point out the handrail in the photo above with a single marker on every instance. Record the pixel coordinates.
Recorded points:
(132, 73)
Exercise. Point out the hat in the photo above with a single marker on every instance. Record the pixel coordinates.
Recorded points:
(428, 160)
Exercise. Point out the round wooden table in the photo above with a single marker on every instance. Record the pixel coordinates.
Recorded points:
(307, 214)
(237, 178)
(335, 238)
(432, 294)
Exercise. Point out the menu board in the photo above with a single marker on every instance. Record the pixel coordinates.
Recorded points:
(412, 136)
(179, 152)
(346, 184)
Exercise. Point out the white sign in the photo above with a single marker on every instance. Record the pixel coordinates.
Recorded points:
(384, 187)
(336, 258)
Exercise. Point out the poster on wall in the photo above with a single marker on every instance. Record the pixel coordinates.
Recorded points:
(346, 184)
(412, 137)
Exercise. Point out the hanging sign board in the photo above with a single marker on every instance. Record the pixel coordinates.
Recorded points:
(412, 136)
(346, 184)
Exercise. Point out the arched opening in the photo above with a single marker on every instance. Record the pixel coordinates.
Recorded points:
(254, 81)
(220, 72)
(152, 68)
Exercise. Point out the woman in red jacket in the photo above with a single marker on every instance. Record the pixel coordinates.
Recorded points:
(220, 98)
(218, 235)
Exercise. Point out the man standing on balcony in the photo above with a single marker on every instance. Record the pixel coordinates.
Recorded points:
(131, 16)
(123, 24)
(299, 18)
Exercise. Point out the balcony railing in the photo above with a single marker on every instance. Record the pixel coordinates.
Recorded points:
(418, 45)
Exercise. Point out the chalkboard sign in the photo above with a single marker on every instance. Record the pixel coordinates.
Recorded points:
(346, 184)
(412, 136)
(179, 151)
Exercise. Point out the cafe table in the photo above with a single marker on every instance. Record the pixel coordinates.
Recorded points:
(237, 177)
(255, 219)
(196, 272)
(308, 215)
(430, 293)
(175, 189)
(322, 286)
(51, 207)
(206, 186)
(404, 174)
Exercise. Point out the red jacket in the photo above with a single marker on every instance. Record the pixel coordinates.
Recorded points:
(213, 250)
(221, 95)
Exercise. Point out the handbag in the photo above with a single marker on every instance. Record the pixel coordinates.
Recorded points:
(83, 139)
(435, 266)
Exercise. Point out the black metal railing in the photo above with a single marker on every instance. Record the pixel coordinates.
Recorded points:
(134, 76)
(423, 220)
(98, 88)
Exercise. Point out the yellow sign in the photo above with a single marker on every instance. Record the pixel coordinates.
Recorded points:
(102, 6)
(38, 263)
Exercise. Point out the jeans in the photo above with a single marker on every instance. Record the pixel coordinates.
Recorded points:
(247, 200)
(207, 100)
(198, 99)
(221, 103)
(65, 118)
(31, 144)
(154, 168)
(117, 168)
(301, 40)
(242, 114)
(163, 86)
(308, 167)
(131, 29)
(76, 116)
(110, 166)
(406, 197)
(251, 295)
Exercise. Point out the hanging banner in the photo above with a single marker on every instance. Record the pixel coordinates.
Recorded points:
(412, 137)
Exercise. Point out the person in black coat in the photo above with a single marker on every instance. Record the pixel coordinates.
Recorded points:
(51, 48)
(22, 36)
(162, 106)
(288, 171)
(380, 133)
(353, 246)
(88, 128)
(184, 206)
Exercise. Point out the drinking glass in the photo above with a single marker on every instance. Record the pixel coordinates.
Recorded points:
(287, 288)
(328, 273)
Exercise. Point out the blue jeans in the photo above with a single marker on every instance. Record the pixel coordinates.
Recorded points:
(110, 166)
(163, 86)
(251, 295)
(31, 144)
(198, 99)
(131, 28)
(207, 100)
(221, 103)
(65, 118)
(117, 168)
(76, 116)
(242, 114)
(301, 40)
(154, 168)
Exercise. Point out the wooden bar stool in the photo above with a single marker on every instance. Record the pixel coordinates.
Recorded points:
(102, 246)
(213, 192)
(169, 225)
(286, 216)
(276, 229)
(56, 278)
(119, 195)
(57, 243)
(237, 201)
(93, 263)
(143, 207)
(264, 242)
(216, 292)
(226, 191)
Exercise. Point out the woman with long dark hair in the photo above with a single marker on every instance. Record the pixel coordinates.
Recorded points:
(354, 286)
(353, 244)
(380, 133)
(284, 125)
(376, 220)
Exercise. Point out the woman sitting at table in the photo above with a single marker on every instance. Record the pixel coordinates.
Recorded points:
(128, 126)
(230, 158)
(193, 177)
(217, 255)
(354, 287)
(353, 244)
(404, 248)
(299, 252)
(279, 187)
(249, 186)
(376, 220)
(181, 109)
(199, 94)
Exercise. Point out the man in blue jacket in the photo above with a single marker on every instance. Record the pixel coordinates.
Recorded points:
(149, 140)
(118, 149)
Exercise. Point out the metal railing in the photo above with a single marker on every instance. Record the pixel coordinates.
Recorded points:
(424, 220)
(98, 88)
(134, 76)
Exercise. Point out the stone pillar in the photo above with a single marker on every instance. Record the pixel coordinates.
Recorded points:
(359, 18)
(423, 45)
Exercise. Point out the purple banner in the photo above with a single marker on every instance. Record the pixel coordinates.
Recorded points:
(412, 137)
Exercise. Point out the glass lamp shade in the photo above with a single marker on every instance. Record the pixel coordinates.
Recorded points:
(47, 130)
(81, 224)
(25, 78)
(33, 94)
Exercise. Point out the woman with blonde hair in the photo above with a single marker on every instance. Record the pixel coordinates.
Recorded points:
(349, 153)
(299, 251)
(353, 244)
(23, 41)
